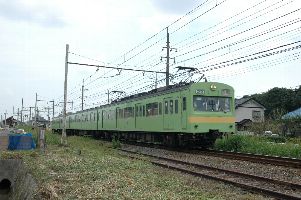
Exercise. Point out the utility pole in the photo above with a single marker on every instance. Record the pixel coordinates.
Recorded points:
(52, 108)
(64, 135)
(30, 112)
(108, 96)
(35, 112)
(168, 49)
(5, 118)
(83, 89)
(22, 111)
(83, 95)
(156, 83)
(48, 114)
(167, 58)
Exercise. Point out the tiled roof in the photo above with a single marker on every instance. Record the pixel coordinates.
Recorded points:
(241, 101)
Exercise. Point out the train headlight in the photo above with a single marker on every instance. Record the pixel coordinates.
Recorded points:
(213, 87)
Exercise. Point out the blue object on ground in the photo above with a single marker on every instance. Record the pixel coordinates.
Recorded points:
(21, 142)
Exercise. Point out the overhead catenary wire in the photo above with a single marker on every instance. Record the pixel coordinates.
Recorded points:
(250, 42)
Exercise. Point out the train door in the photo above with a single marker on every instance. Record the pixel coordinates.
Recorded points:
(102, 116)
(184, 112)
(166, 116)
(116, 117)
(177, 120)
(137, 114)
(69, 121)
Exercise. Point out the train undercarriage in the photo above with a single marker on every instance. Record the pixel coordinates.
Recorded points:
(159, 138)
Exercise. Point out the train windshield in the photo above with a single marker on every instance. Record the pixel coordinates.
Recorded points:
(211, 104)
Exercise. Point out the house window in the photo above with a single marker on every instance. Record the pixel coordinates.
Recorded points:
(256, 115)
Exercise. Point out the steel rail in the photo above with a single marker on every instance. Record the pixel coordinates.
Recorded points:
(283, 161)
(242, 185)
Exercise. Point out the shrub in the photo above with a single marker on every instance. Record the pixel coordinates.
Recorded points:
(260, 145)
(230, 143)
(115, 142)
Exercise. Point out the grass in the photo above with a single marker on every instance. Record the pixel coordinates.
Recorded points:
(93, 169)
(261, 145)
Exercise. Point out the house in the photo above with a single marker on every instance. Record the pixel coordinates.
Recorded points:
(11, 122)
(247, 111)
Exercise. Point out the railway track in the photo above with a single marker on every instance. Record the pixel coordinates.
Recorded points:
(256, 158)
(272, 187)
(279, 161)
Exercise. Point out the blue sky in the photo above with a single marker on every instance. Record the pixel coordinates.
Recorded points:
(131, 33)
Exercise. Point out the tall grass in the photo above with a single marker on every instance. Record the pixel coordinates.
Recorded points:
(50, 138)
(259, 145)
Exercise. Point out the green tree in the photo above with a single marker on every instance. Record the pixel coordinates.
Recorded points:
(279, 101)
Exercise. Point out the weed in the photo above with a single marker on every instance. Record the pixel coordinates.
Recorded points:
(277, 146)
(116, 143)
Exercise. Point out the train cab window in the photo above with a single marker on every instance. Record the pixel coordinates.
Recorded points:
(176, 106)
(160, 108)
(166, 107)
(184, 103)
(211, 104)
(171, 106)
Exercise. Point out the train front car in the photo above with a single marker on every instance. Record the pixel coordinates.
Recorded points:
(210, 112)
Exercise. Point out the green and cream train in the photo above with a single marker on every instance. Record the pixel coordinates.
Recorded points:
(193, 114)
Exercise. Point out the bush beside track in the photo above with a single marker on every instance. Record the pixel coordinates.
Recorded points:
(280, 146)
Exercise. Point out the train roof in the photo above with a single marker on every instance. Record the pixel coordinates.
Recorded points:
(157, 91)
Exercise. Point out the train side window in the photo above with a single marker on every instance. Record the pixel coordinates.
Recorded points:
(166, 107)
(120, 113)
(136, 111)
(171, 106)
(160, 108)
(184, 103)
(143, 110)
(176, 106)
(140, 111)
(94, 116)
